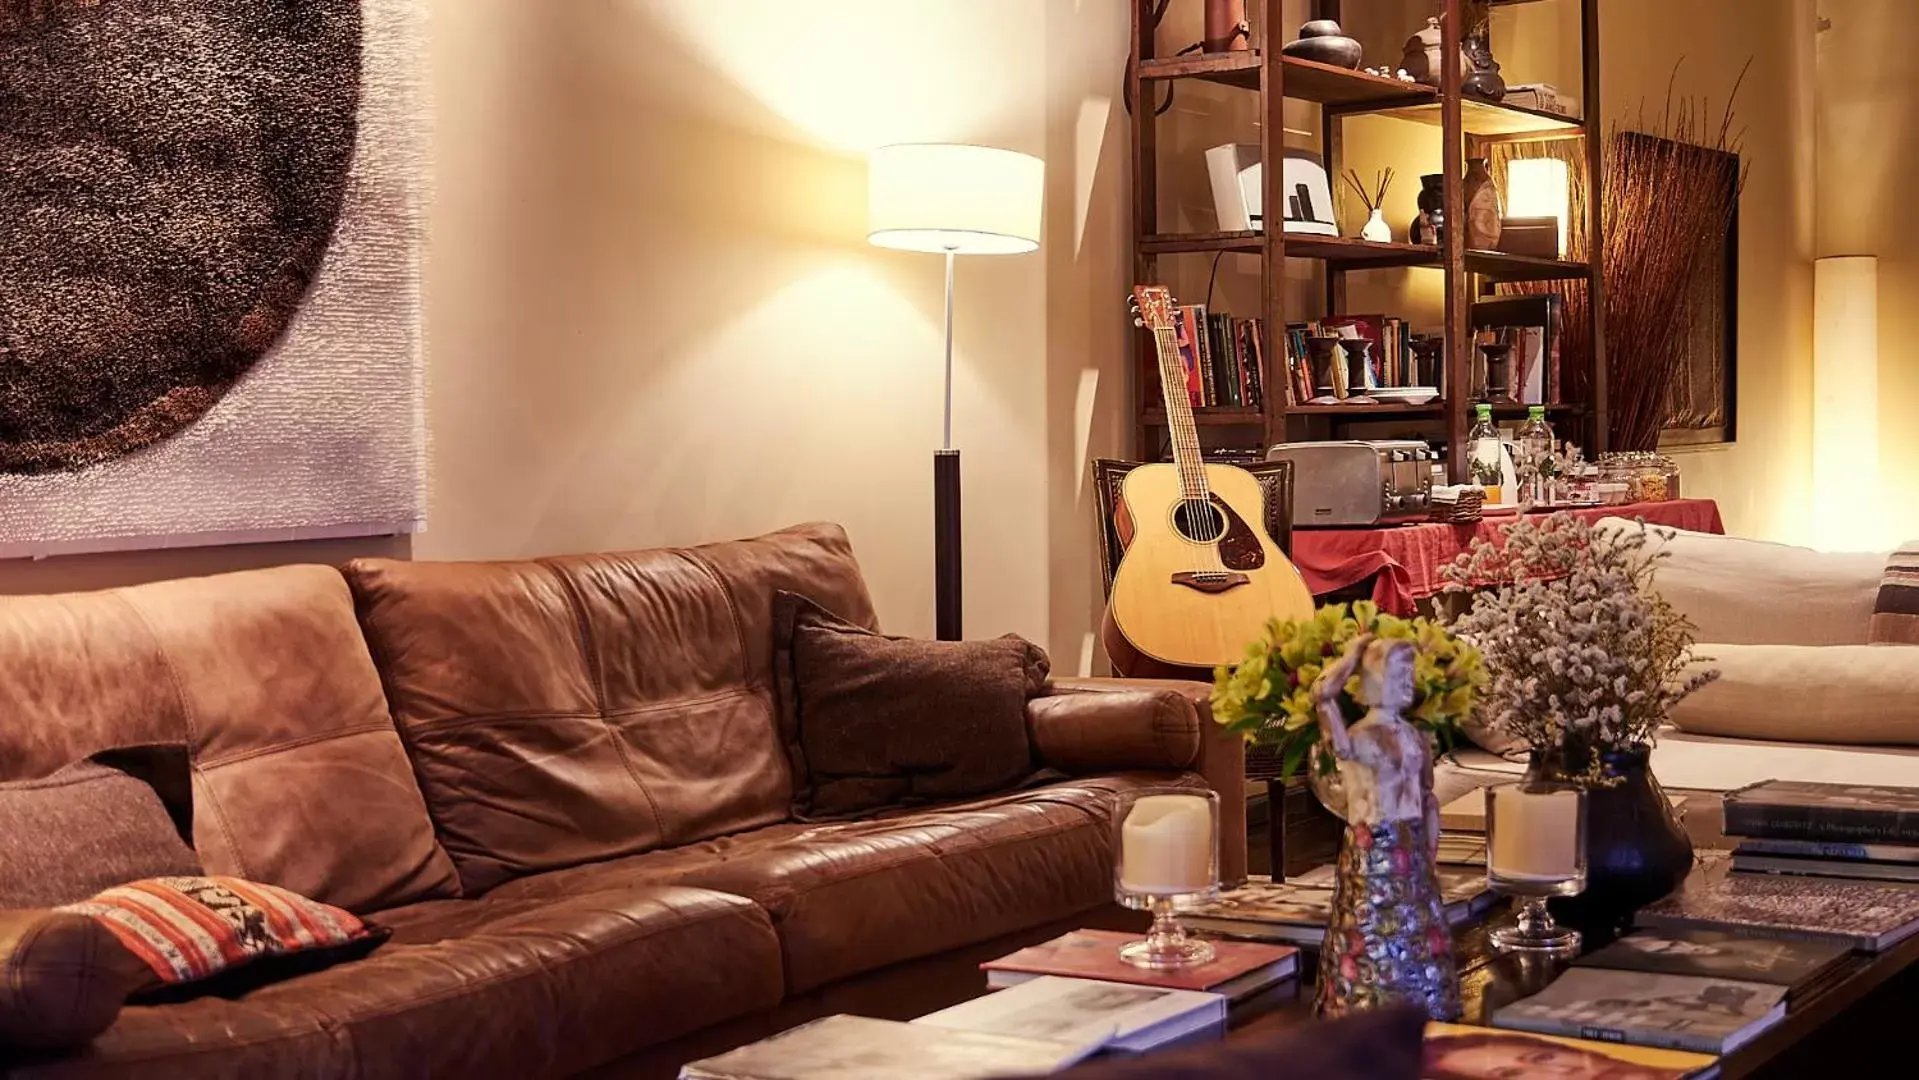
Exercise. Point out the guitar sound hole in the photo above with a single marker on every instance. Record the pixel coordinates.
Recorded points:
(1199, 521)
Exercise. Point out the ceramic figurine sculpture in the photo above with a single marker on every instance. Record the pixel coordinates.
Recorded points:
(1387, 940)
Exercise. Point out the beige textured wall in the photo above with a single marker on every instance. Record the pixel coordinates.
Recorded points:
(654, 318)
(1868, 145)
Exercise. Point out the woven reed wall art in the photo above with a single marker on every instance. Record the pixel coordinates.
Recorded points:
(210, 310)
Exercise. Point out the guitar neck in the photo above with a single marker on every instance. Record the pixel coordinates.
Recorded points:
(1179, 415)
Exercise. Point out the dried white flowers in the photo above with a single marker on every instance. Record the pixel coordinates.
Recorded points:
(1581, 653)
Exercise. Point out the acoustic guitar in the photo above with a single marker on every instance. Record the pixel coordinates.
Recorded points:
(1199, 576)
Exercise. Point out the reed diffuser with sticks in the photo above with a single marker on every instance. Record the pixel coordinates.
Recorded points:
(1374, 198)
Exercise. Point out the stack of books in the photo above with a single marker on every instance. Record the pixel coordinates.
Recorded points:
(1223, 358)
(1706, 991)
(1297, 910)
(1102, 1017)
(1237, 971)
(1826, 830)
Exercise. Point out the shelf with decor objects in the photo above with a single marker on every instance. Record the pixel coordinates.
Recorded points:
(1471, 126)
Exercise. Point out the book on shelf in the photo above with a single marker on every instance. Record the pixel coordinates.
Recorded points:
(1238, 969)
(1720, 954)
(1828, 849)
(1221, 357)
(1251, 359)
(1858, 914)
(1646, 1008)
(1834, 813)
(1189, 345)
(1097, 1015)
(861, 1048)
(1393, 364)
(1298, 909)
(1460, 1052)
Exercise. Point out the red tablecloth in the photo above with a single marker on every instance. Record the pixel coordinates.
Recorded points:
(1406, 559)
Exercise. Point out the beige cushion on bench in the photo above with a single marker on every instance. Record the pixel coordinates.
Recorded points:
(1848, 694)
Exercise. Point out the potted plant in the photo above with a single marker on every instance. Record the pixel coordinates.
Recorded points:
(1584, 662)
(1268, 696)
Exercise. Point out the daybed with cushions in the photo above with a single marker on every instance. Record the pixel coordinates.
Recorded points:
(562, 784)
(1802, 694)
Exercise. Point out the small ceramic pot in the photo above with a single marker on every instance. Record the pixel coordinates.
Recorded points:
(1426, 228)
(1376, 228)
(1337, 50)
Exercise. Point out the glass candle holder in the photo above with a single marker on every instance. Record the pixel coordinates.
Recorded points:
(1535, 849)
(1166, 856)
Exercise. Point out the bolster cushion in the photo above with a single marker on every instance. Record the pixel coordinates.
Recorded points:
(1847, 694)
(1087, 733)
(63, 978)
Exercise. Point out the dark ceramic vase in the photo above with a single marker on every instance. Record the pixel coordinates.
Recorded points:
(1359, 357)
(1497, 360)
(1636, 851)
(1432, 210)
(1322, 353)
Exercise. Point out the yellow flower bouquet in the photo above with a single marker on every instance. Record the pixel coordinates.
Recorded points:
(1268, 696)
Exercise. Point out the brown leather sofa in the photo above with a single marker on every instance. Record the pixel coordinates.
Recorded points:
(560, 783)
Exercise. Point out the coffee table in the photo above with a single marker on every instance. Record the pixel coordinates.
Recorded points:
(1854, 1024)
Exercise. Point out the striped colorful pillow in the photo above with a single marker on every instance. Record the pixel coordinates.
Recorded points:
(191, 928)
(1895, 614)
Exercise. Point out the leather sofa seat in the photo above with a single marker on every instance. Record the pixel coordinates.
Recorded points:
(858, 895)
(471, 988)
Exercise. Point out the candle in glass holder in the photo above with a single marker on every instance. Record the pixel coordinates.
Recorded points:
(1535, 834)
(1166, 846)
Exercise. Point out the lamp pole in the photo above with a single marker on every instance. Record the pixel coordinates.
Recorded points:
(946, 499)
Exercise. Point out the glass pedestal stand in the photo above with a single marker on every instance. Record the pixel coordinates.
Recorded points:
(1167, 944)
(1534, 930)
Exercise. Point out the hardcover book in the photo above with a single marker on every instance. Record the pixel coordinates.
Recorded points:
(1097, 1015)
(1716, 954)
(1822, 849)
(1858, 914)
(1674, 1012)
(1238, 969)
(1839, 868)
(1297, 910)
(1794, 810)
(858, 1048)
(1458, 1052)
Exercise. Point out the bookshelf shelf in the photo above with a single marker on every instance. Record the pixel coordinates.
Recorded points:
(1209, 417)
(1468, 127)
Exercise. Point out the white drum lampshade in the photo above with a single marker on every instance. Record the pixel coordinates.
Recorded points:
(1540, 187)
(970, 200)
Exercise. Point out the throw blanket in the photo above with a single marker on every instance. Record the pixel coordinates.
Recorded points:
(1895, 615)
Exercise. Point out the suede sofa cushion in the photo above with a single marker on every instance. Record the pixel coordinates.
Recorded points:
(95, 824)
(1752, 592)
(1847, 694)
(1384, 1044)
(871, 721)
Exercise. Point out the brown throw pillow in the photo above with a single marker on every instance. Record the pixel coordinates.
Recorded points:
(63, 978)
(95, 824)
(872, 721)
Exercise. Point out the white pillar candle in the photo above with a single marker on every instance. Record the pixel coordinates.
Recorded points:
(1166, 846)
(1535, 835)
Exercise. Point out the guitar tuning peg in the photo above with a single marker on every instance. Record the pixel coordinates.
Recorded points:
(1139, 322)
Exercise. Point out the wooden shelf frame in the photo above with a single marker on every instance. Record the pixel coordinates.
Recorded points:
(1468, 125)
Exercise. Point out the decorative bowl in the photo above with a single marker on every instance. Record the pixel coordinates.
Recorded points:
(1335, 49)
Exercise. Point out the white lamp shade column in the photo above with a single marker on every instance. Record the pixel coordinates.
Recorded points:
(970, 200)
(1540, 187)
(1847, 508)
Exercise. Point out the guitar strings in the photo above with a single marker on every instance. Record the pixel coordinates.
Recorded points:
(1195, 491)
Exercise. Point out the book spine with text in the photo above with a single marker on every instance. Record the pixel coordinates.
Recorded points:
(1829, 824)
(1661, 1040)
(1820, 849)
(1757, 930)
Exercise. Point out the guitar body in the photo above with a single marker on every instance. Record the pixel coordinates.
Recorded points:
(1189, 593)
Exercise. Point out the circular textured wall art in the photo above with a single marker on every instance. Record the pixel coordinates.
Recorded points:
(170, 175)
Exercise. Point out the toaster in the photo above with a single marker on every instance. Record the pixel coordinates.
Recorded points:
(1359, 482)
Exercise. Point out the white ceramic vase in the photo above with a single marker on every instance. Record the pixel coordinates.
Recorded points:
(1376, 228)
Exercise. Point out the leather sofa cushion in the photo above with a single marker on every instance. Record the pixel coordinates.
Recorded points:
(299, 779)
(88, 828)
(872, 721)
(469, 988)
(854, 896)
(63, 978)
(565, 710)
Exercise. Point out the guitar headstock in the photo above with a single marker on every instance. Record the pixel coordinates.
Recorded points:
(1153, 307)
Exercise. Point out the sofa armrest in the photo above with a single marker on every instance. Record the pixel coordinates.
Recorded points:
(1161, 724)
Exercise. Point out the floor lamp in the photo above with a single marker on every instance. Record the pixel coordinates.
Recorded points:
(952, 200)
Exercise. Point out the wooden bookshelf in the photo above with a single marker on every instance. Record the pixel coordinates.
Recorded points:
(1468, 124)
